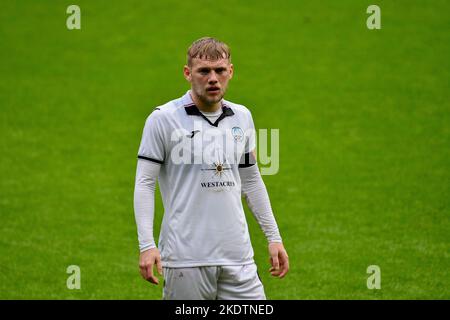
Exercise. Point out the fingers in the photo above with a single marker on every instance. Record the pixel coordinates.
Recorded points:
(151, 277)
(284, 264)
(147, 272)
(280, 264)
(275, 261)
(147, 260)
(275, 272)
(275, 269)
(159, 266)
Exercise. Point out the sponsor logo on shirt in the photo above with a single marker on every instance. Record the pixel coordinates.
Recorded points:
(219, 170)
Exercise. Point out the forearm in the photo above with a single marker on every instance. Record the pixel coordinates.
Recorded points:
(144, 202)
(255, 193)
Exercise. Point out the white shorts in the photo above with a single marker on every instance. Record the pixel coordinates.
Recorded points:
(213, 283)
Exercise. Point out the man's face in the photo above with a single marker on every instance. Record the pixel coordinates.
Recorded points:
(209, 79)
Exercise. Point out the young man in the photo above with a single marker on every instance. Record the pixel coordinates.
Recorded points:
(200, 148)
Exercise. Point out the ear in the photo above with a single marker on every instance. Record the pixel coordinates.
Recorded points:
(231, 70)
(187, 73)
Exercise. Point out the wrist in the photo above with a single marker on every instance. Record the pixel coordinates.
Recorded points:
(147, 248)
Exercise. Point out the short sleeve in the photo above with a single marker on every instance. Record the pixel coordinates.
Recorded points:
(152, 145)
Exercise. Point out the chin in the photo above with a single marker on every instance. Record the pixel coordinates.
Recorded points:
(212, 100)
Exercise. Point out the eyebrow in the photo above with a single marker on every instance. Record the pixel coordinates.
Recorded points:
(208, 69)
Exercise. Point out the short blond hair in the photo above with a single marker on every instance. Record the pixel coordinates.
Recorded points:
(208, 48)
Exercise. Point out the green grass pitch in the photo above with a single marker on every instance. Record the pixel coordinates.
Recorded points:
(364, 131)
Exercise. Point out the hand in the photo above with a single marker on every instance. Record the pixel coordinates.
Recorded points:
(147, 260)
(278, 259)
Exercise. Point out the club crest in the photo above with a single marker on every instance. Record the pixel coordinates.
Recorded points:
(237, 133)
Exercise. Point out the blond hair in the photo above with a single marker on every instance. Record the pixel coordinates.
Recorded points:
(208, 48)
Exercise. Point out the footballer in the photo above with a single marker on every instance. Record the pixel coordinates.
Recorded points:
(200, 148)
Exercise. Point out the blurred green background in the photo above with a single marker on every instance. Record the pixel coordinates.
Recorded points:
(364, 131)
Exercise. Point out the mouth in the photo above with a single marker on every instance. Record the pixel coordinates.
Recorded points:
(213, 90)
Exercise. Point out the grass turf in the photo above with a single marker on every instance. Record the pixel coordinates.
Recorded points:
(364, 130)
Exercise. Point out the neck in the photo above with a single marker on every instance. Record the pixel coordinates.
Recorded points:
(203, 106)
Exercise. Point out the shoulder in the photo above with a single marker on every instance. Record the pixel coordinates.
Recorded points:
(165, 111)
(238, 108)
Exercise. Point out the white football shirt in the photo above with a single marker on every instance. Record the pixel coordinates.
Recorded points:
(204, 222)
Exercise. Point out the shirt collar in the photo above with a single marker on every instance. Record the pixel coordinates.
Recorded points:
(192, 109)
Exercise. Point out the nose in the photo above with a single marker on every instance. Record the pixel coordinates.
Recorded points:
(213, 78)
